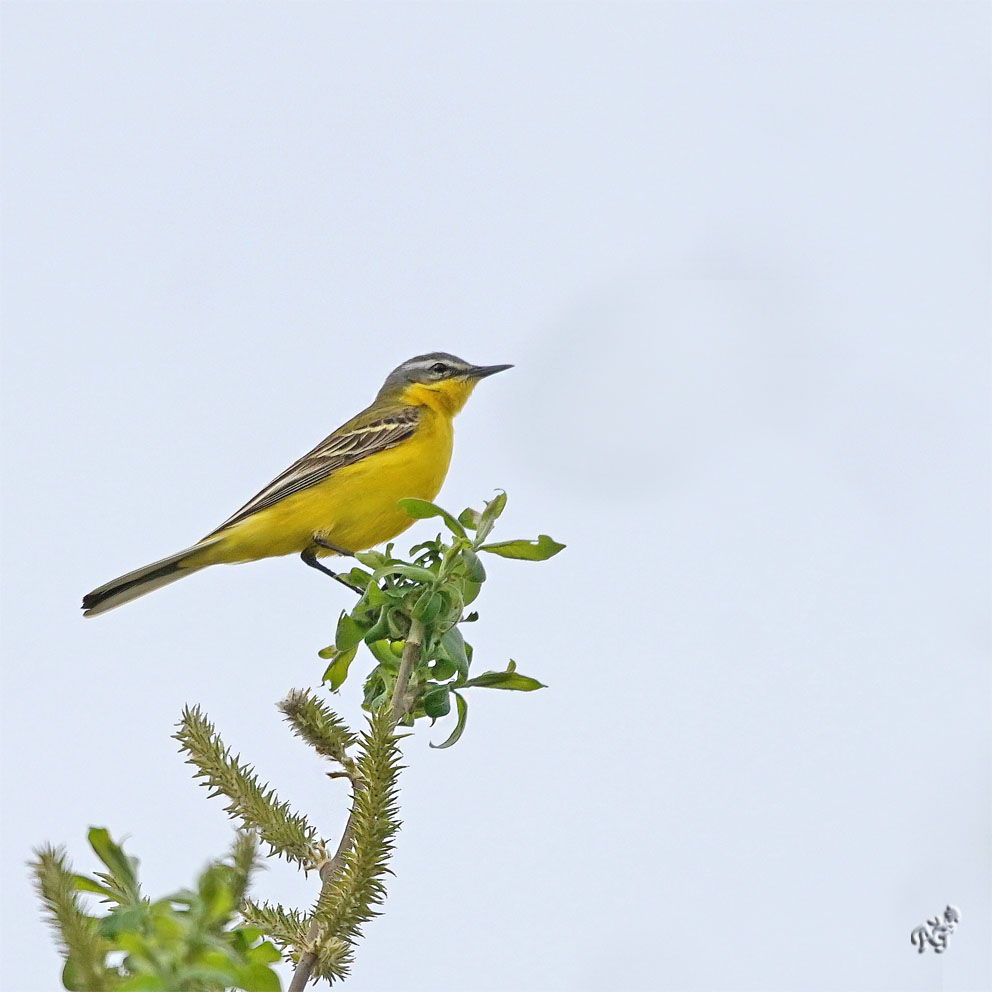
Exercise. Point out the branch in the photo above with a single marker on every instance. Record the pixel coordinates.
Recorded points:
(286, 927)
(323, 730)
(399, 704)
(336, 908)
(244, 854)
(257, 806)
(344, 906)
(74, 929)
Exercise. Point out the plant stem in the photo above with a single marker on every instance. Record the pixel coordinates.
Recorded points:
(398, 705)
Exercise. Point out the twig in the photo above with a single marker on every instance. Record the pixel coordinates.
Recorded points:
(398, 705)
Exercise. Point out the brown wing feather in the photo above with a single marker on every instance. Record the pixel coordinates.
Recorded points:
(358, 439)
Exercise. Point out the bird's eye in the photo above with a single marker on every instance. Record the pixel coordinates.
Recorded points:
(439, 367)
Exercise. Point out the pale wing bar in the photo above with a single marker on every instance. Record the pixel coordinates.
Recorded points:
(334, 452)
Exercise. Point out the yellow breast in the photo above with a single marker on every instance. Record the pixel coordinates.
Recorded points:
(355, 507)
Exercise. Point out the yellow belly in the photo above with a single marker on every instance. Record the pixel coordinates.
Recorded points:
(354, 508)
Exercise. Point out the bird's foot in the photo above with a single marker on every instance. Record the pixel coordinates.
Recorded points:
(310, 558)
(327, 546)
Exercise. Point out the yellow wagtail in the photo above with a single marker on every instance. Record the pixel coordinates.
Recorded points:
(342, 496)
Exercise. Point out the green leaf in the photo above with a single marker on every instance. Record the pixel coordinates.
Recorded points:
(452, 647)
(71, 978)
(120, 866)
(540, 550)
(474, 570)
(83, 883)
(358, 577)
(494, 508)
(436, 702)
(414, 572)
(371, 559)
(257, 978)
(118, 921)
(216, 897)
(442, 669)
(432, 546)
(264, 953)
(168, 927)
(371, 598)
(428, 606)
(212, 957)
(337, 670)
(397, 624)
(205, 977)
(421, 509)
(505, 680)
(374, 690)
(462, 707)
(349, 633)
(134, 944)
(140, 983)
(469, 518)
(380, 628)
(451, 602)
(383, 653)
(244, 937)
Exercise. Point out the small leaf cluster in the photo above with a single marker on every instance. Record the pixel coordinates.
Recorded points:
(434, 587)
(186, 942)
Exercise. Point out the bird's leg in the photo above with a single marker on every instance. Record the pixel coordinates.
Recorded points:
(309, 557)
(321, 543)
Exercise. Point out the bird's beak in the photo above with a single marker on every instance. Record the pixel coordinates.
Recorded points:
(481, 371)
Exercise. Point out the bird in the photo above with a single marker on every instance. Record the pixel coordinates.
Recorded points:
(341, 497)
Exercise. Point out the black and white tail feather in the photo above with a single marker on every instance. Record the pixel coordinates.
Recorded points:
(142, 580)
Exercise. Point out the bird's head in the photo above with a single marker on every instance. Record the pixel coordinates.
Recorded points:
(437, 380)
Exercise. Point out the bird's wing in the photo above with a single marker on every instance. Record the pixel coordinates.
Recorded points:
(368, 434)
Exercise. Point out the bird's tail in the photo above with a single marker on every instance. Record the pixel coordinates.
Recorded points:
(142, 580)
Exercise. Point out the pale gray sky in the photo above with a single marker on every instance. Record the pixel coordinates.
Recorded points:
(740, 256)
